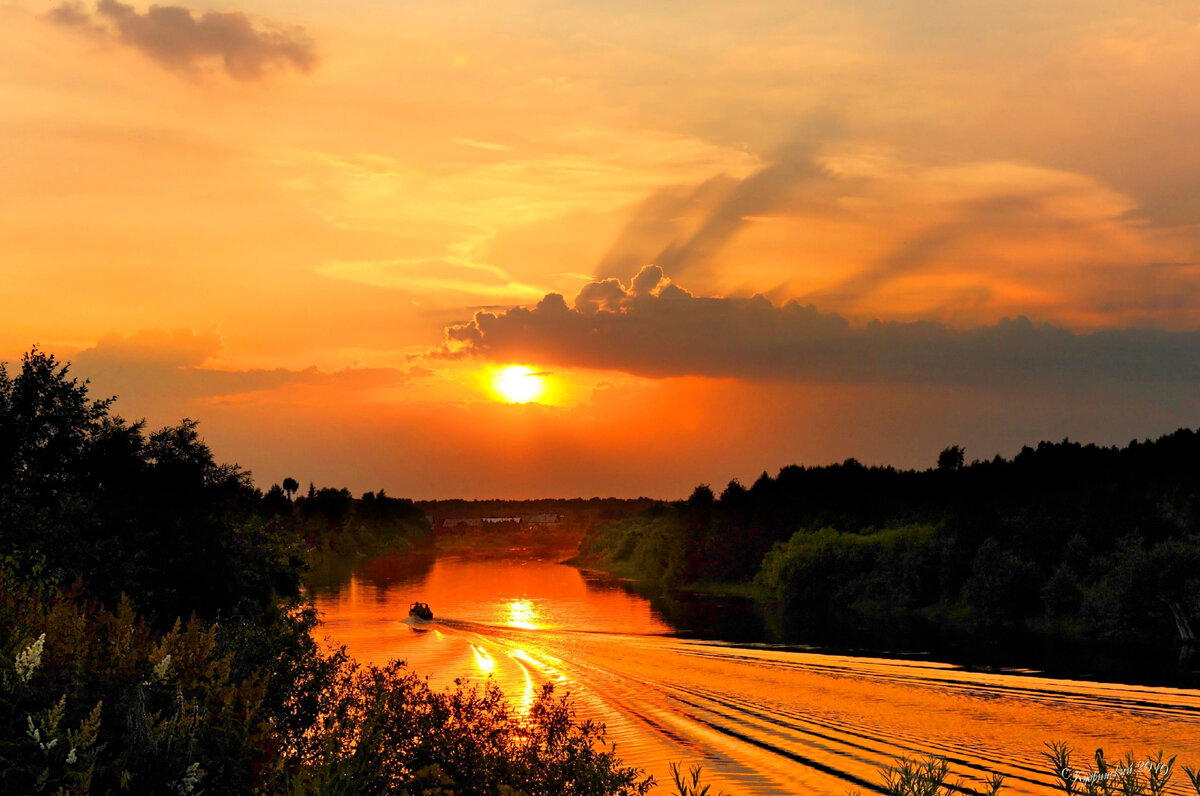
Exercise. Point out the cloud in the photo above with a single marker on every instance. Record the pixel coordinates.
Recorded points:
(419, 274)
(656, 329)
(157, 348)
(179, 41)
(790, 178)
(156, 366)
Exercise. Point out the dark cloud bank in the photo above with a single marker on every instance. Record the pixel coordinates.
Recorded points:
(655, 328)
(179, 41)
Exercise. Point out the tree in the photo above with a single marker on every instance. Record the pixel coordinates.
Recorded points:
(275, 503)
(702, 497)
(47, 421)
(151, 515)
(951, 458)
(291, 486)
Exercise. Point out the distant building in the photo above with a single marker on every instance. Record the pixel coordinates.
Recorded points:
(528, 521)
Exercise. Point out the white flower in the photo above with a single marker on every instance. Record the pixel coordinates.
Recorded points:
(29, 659)
(160, 668)
(71, 757)
(36, 734)
(191, 778)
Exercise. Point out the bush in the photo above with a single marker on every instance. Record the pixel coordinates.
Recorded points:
(896, 566)
(384, 730)
(95, 701)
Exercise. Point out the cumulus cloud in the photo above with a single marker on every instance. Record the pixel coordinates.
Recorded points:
(181, 41)
(657, 329)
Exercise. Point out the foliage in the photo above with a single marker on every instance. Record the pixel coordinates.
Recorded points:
(689, 784)
(383, 730)
(896, 566)
(85, 494)
(97, 701)
(1128, 776)
(1063, 538)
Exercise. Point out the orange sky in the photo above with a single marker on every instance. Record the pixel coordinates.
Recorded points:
(268, 215)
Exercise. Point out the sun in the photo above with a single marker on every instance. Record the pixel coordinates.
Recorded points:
(518, 384)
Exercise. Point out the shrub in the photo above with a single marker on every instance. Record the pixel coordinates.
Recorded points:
(384, 730)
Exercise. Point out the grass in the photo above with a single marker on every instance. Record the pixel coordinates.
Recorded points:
(718, 588)
(932, 776)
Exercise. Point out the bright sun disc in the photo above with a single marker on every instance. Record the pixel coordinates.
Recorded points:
(518, 384)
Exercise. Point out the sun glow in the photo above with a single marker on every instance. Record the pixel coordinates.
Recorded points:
(518, 384)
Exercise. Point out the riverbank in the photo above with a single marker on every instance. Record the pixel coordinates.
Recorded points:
(739, 613)
(1088, 548)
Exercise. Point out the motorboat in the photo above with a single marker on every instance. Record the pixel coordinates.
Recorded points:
(420, 611)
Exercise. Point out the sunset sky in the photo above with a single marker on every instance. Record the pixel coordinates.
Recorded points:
(708, 238)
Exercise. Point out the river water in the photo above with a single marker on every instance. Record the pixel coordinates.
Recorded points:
(761, 719)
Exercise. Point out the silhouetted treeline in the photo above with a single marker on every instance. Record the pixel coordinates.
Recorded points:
(1064, 538)
(580, 514)
(154, 637)
(331, 520)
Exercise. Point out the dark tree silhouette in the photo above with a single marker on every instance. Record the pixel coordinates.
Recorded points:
(1066, 539)
(951, 458)
(290, 486)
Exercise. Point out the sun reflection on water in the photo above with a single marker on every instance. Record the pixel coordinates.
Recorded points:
(525, 703)
(522, 614)
(484, 659)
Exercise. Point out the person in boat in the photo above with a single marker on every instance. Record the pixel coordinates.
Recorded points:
(420, 611)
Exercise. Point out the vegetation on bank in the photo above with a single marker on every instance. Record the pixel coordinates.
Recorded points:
(932, 776)
(1069, 539)
(332, 521)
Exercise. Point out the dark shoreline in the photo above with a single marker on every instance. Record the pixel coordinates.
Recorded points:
(743, 620)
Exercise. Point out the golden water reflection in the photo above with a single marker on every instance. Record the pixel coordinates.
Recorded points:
(520, 613)
(761, 720)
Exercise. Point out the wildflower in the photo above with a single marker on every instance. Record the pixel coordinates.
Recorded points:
(36, 734)
(71, 757)
(160, 668)
(29, 659)
(191, 778)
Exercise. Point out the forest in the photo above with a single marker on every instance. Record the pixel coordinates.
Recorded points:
(1064, 539)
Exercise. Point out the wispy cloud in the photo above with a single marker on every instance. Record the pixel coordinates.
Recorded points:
(156, 365)
(180, 41)
(418, 275)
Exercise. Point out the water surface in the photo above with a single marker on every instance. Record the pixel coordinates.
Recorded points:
(762, 719)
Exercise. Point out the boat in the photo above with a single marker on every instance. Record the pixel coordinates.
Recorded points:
(420, 611)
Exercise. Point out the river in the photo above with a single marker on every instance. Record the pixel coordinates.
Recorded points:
(761, 719)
